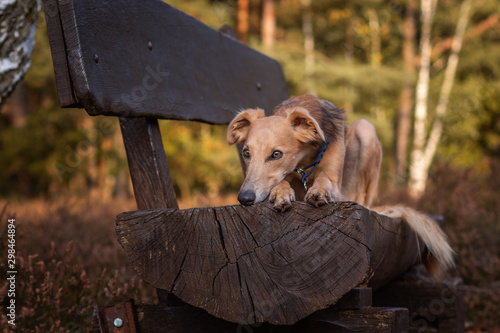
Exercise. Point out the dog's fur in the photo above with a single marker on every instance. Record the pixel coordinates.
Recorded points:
(274, 146)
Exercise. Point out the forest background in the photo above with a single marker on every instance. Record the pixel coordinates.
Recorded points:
(426, 73)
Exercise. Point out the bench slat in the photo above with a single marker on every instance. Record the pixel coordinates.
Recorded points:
(145, 58)
(58, 49)
(148, 165)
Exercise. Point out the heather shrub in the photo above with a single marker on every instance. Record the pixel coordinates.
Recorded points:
(469, 201)
(67, 261)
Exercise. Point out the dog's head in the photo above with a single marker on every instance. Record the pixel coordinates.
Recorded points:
(272, 147)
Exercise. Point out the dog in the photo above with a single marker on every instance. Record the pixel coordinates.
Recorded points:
(304, 151)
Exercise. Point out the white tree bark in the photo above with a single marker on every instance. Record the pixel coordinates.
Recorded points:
(449, 78)
(424, 150)
(17, 38)
(417, 179)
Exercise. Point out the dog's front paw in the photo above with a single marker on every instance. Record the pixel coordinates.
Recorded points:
(282, 196)
(322, 192)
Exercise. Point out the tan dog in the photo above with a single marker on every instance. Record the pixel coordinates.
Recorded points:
(304, 151)
(276, 147)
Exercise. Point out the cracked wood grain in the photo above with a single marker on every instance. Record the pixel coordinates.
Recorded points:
(252, 264)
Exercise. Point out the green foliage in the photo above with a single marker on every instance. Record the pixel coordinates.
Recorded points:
(41, 72)
(199, 158)
(212, 13)
(27, 151)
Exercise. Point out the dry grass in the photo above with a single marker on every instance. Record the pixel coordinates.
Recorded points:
(68, 258)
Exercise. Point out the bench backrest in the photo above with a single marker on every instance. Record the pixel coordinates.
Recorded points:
(143, 60)
(132, 58)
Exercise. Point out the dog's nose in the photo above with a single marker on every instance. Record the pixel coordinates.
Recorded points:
(246, 198)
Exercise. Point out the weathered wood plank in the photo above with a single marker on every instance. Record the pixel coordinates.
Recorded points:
(104, 317)
(59, 57)
(366, 320)
(129, 58)
(252, 264)
(153, 318)
(181, 319)
(147, 162)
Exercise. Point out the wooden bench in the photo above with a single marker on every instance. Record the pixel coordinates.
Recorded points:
(229, 268)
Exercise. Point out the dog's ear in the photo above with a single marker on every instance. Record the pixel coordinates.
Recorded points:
(305, 126)
(238, 128)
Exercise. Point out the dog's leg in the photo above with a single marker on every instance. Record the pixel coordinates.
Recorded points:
(282, 196)
(323, 192)
(362, 163)
(328, 176)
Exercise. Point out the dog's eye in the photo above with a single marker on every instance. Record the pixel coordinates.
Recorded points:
(277, 154)
(246, 153)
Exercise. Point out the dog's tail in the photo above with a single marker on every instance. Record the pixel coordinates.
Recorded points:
(441, 253)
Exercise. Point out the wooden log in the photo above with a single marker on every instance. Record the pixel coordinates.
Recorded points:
(147, 59)
(251, 264)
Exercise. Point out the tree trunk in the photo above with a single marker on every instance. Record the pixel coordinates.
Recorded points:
(403, 120)
(417, 178)
(426, 152)
(349, 55)
(242, 30)
(307, 30)
(255, 10)
(268, 23)
(375, 57)
(444, 96)
(18, 24)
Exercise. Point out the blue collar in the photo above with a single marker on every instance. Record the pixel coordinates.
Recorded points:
(302, 171)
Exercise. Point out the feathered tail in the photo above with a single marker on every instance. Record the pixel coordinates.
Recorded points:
(441, 253)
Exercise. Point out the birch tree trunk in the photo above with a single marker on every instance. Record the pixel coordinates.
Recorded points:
(417, 178)
(424, 150)
(449, 78)
(17, 25)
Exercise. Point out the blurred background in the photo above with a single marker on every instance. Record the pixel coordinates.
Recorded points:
(426, 73)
